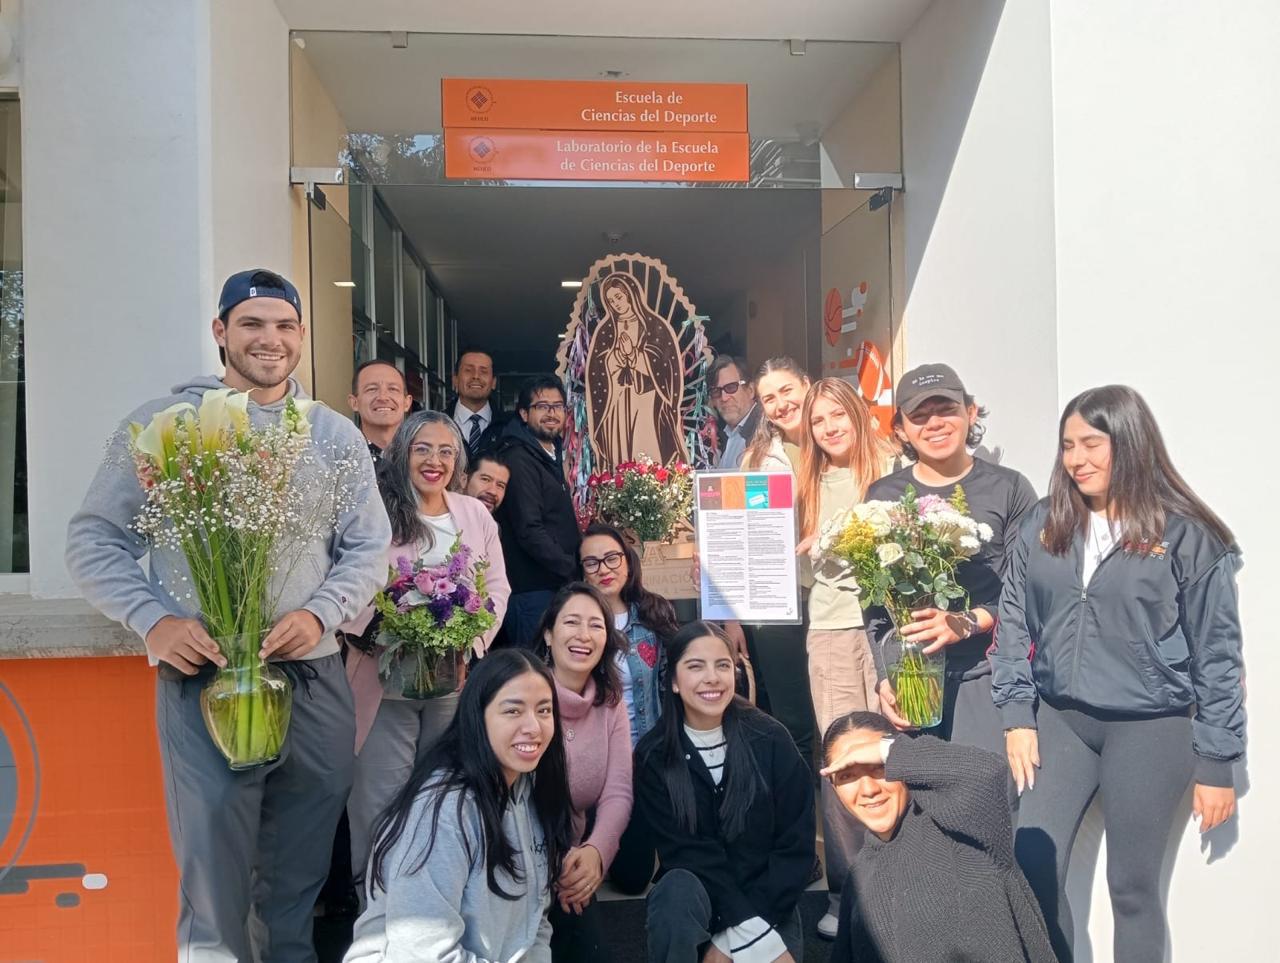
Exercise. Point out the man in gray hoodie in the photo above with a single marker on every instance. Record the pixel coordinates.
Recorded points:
(251, 845)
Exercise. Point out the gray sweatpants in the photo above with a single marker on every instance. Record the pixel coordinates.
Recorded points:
(402, 732)
(1141, 767)
(253, 847)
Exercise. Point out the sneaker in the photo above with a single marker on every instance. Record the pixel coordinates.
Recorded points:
(828, 926)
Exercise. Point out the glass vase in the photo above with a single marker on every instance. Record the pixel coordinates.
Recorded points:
(917, 679)
(246, 706)
(420, 673)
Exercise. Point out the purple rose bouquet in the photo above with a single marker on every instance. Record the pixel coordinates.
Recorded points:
(430, 615)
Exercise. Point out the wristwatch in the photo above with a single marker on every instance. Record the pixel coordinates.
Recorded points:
(970, 620)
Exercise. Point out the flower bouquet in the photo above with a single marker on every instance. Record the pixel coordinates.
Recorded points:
(644, 497)
(903, 556)
(220, 492)
(430, 615)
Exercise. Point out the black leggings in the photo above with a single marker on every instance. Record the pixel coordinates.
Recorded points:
(1141, 767)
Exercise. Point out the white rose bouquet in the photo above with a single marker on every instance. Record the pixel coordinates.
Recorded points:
(903, 556)
(226, 495)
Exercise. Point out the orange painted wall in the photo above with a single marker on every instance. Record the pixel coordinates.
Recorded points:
(101, 804)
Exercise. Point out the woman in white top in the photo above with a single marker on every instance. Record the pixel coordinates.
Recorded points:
(421, 480)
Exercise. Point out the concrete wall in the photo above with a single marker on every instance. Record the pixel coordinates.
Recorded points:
(978, 212)
(116, 203)
(1166, 147)
(148, 188)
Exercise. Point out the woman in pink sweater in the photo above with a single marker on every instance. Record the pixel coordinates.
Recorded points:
(582, 647)
(421, 483)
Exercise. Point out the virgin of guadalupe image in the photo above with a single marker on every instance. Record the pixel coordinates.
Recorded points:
(635, 379)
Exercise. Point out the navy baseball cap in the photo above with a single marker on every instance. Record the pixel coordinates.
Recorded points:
(257, 283)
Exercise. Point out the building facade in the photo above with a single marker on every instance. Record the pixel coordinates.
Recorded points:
(1089, 194)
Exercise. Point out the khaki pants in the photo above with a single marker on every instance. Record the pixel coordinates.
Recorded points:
(842, 674)
(842, 679)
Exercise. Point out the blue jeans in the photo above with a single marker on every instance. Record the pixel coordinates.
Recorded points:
(524, 613)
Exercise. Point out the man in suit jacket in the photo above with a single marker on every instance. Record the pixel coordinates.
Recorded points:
(471, 405)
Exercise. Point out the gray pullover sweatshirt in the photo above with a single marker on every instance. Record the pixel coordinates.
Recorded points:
(445, 911)
(334, 579)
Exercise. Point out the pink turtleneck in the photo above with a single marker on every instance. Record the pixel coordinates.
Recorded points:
(597, 742)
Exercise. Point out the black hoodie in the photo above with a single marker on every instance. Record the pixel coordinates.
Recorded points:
(539, 527)
(1155, 631)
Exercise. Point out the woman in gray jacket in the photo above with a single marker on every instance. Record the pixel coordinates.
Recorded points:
(1118, 670)
(464, 860)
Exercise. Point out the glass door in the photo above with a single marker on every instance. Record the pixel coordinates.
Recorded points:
(861, 330)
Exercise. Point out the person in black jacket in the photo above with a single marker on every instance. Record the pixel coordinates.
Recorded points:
(729, 802)
(1118, 668)
(936, 879)
(537, 520)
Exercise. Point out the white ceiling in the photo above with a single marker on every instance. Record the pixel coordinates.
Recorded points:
(720, 19)
(383, 90)
(499, 254)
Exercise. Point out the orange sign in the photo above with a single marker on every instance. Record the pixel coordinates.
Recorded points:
(504, 104)
(596, 156)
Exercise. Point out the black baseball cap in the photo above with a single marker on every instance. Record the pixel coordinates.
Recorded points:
(928, 381)
(257, 283)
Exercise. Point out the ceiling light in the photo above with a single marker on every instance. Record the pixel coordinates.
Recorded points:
(344, 284)
(570, 284)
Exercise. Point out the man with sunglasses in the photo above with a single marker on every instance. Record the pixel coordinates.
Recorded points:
(734, 399)
(537, 521)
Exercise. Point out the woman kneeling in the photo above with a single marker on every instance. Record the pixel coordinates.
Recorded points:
(936, 879)
(464, 859)
(730, 804)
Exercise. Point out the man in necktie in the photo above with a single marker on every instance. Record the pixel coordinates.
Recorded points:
(473, 384)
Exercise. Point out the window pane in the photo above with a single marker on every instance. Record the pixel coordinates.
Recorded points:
(384, 253)
(14, 556)
(412, 283)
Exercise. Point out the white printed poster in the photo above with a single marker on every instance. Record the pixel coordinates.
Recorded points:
(746, 525)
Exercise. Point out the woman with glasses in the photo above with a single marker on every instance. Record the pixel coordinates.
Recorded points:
(421, 480)
(646, 620)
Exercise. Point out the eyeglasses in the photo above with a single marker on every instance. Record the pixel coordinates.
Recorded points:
(730, 389)
(610, 560)
(548, 407)
(424, 450)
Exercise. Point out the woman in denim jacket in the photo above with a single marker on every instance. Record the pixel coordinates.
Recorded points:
(647, 620)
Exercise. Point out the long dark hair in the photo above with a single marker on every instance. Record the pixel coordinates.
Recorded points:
(398, 494)
(1144, 488)
(742, 777)
(654, 611)
(605, 674)
(462, 762)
